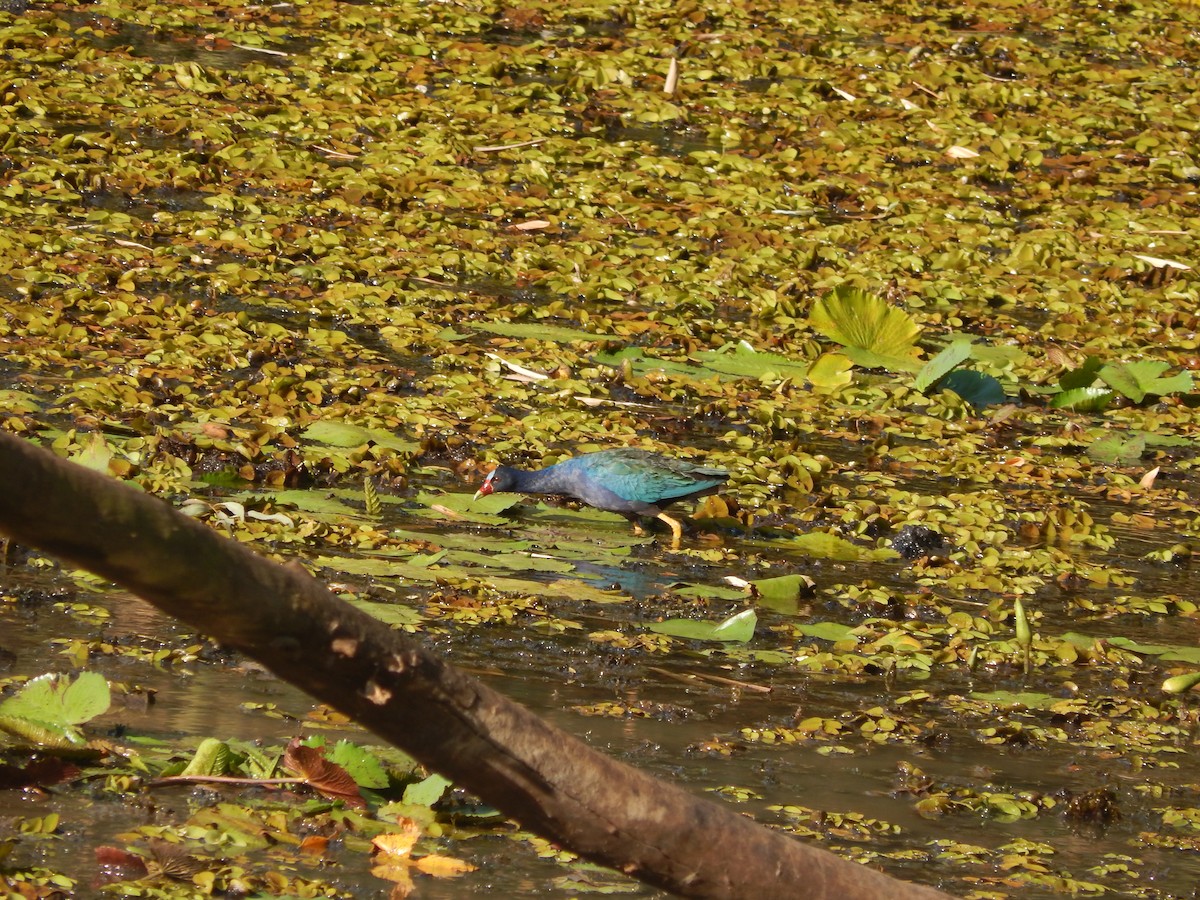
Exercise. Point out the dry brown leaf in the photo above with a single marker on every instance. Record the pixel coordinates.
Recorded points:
(325, 777)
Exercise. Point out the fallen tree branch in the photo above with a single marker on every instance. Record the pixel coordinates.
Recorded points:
(549, 781)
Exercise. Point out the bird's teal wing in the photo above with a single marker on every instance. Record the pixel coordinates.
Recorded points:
(650, 478)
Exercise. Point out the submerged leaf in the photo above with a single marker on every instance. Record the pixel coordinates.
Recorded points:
(976, 388)
(1117, 449)
(1083, 377)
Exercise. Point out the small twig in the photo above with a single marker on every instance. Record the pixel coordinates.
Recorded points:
(329, 151)
(495, 148)
(260, 50)
(733, 682)
(667, 673)
(220, 779)
(692, 677)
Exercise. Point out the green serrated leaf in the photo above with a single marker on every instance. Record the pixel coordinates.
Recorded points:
(362, 765)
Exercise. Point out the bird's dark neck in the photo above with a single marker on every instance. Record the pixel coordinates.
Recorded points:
(544, 481)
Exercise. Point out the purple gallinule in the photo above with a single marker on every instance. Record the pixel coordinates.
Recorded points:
(635, 483)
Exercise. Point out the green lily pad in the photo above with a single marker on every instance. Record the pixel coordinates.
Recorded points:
(47, 708)
(1083, 377)
(829, 546)
(1138, 380)
(743, 361)
(464, 506)
(1010, 699)
(395, 614)
(1169, 652)
(538, 330)
(708, 592)
(343, 434)
(952, 355)
(520, 562)
(830, 371)
(781, 594)
(827, 631)
(737, 628)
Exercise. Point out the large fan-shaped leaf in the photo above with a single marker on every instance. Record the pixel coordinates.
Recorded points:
(874, 334)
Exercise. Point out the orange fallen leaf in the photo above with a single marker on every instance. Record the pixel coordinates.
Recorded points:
(443, 866)
(397, 843)
(314, 845)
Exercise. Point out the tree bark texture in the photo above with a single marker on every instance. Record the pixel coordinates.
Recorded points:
(544, 778)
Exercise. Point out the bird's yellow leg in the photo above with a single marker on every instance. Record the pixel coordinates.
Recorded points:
(676, 529)
(638, 529)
